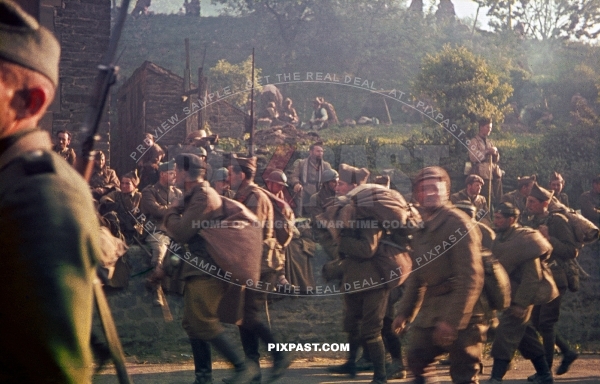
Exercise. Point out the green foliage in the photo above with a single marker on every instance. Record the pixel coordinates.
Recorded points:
(462, 86)
(235, 77)
(544, 20)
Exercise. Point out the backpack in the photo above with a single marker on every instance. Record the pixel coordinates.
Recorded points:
(496, 283)
(584, 231)
(283, 219)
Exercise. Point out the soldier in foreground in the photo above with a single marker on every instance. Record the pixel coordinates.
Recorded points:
(48, 234)
(203, 292)
(520, 251)
(241, 178)
(556, 229)
(442, 292)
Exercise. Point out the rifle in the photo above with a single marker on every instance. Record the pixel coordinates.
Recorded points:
(105, 79)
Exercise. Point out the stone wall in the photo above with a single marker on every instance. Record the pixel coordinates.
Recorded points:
(308, 319)
(146, 335)
(83, 29)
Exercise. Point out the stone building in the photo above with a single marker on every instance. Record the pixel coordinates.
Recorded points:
(83, 29)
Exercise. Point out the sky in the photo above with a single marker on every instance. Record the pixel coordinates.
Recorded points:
(464, 9)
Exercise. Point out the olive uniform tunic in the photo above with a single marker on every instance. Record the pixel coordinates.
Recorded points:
(445, 285)
(49, 241)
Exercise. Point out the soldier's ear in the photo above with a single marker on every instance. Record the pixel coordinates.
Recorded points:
(31, 102)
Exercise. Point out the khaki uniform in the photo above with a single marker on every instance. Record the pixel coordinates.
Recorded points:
(516, 199)
(155, 203)
(478, 201)
(544, 317)
(106, 179)
(68, 154)
(124, 207)
(258, 202)
(202, 292)
(589, 202)
(481, 166)
(445, 285)
(320, 201)
(49, 239)
(309, 174)
(519, 251)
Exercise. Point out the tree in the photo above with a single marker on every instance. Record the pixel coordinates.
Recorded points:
(546, 19)
(462, 86)
(234, 79)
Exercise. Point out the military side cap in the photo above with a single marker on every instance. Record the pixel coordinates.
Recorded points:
(278, 177)
(329, 175)
(540, 193)
(525, 180)
(507, 209)
(473, 178)
(220, 174)
(352, 175)
(187, 161)
(382, 180)
(466, 206)
(166, 166)
(25, 42)
(433, 173)
(596, 179)
(244, 162)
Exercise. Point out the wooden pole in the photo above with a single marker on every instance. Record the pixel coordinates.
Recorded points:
(251, 150)
(187, 84)
(387, 110)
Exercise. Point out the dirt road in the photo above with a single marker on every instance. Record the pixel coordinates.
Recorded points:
(586, 370)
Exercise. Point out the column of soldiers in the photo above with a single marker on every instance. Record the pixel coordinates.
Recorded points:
(44, 233)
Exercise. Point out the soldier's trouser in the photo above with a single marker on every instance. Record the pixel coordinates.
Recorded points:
(365, 311)
(544, 318)
(253, 327)
(514, 333)
(465, 353)
(159, 243)
(201, 298)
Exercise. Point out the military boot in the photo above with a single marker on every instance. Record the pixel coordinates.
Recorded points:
(202, 361)
(349, 367)
(377, 353)
(245, 371)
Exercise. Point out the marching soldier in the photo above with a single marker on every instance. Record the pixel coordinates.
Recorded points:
(520, 251)
(48, 233)
(442, 292)
(220, 182)
(241, 179)
(556, 229)
(202, 292)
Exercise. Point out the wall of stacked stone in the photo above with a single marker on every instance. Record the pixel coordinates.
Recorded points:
(146, 335)
(305, 319)
(83, 29)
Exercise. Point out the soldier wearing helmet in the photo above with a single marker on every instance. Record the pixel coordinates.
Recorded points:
(324, 198)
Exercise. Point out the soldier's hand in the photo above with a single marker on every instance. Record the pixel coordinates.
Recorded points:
(297, 187)
(517, 311)
(444, 334)
(399, 324)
